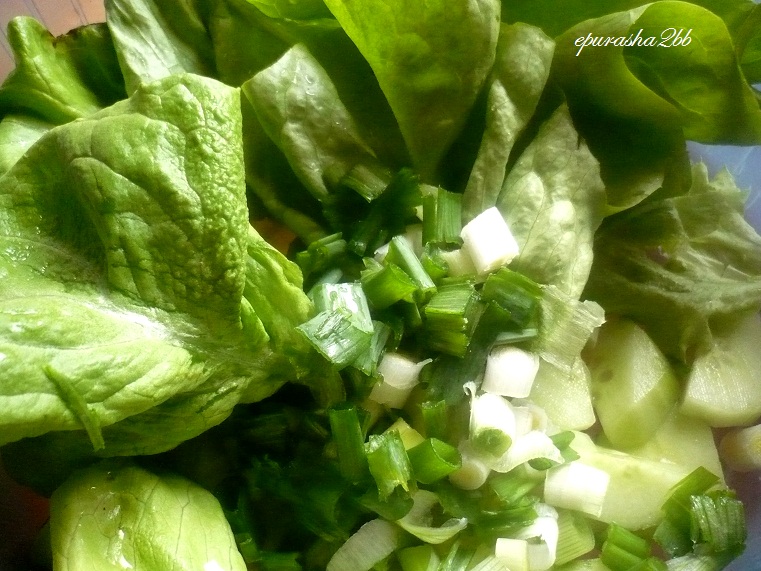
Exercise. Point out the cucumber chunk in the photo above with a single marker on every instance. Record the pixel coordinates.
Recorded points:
(724, 385)
(637, 488)
(633, 385)
(682, 440)
(565, 396)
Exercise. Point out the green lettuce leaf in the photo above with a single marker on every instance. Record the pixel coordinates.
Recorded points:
(431, 60)
(553, 201)
(680, 266)
(17, 133)
(156, 39)
(114, 516)
(60, 79)
(636, 104)
(135, 291)
(520, 72)
(300, 110)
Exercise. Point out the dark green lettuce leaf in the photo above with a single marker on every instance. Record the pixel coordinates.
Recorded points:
(135, 291)
(431, 60)
(680, 266)
(556, 17)
(636, 104)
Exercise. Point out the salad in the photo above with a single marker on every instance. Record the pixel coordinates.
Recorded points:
(381, 285)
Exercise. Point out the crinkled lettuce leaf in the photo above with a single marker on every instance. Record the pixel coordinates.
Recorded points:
(120, 516)
(517, 80)
(135, 291)
(553, 201)
(59, 79)
(680, 266)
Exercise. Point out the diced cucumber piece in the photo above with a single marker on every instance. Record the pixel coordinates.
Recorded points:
(724, 385)
(633, 385)
(565, 397)
(682, 440)
(637, 488)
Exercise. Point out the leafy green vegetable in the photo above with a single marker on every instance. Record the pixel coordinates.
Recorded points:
(431, 67)
(60, 79)
(521, 69)
(553, 202)
(139, 308)
(114, 516)
(130, 298)
(680, 266)
(172, 39)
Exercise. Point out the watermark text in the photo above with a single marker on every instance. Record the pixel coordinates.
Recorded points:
(668, 38)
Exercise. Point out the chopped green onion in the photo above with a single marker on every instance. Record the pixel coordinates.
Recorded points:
(718, 522)
(458, 558)
(519, 295)
(575, 537)
(369, 179)
(533, 445)
(623, 549)
(399, 374)
(512, 486)
(388, 214)
(510, 371)
(566, 324)
(435, 418)
(513, 553)
(368, 361)
(371, 544)
(387, 284)
(442, 217)
(473, 471)
(349, 439)
(488, 240)
(511, 337)
(459, 262)
(542, 538)
(389, 463)
(418, 558)
(420, 520)
(450, 318)
(677, 507)
(434, 262)
(433, 460)
(618, 559)
(400, 252)
(349, 296)
(577, 486)
(336, 336)
(321, 254)
(492, 424)
(410, 437)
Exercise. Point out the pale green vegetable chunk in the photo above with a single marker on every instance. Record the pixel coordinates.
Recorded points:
(633, 385)
(637, 487)
(124, 517)
(724, 386)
